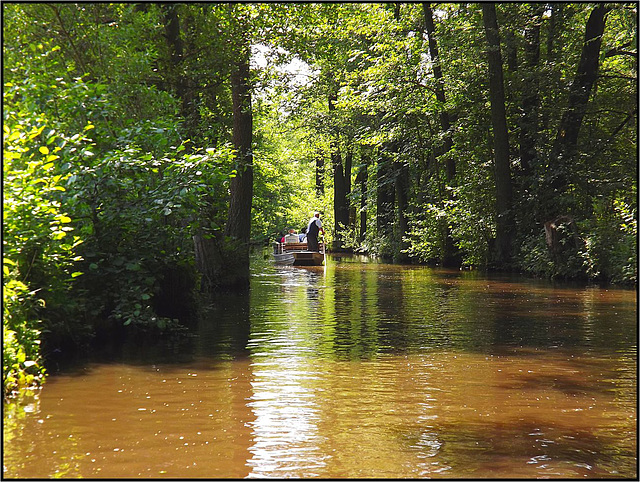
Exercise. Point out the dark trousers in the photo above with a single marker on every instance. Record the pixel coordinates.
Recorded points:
(312, 242)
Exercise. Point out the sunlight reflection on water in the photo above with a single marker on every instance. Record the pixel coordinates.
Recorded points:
(360, 371)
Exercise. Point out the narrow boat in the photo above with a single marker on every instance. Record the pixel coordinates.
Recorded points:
(284, 258)
(297, 254)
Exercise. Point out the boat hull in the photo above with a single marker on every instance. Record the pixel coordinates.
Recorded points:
(297, 254)
(307, 258)
(284, 258)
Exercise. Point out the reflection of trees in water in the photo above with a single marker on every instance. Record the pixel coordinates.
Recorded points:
(224, 325)
(364, 371)
(357, 326)
(361, 310)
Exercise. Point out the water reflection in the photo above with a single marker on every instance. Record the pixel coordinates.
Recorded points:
(360, 371)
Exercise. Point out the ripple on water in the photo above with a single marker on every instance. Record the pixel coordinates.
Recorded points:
(357, 371)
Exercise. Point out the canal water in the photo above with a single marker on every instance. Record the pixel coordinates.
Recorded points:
(357, 370)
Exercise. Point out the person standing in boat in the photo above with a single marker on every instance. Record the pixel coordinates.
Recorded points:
(314, 227)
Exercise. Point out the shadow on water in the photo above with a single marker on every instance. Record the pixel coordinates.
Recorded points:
(353, 310)
(355, 370)
(224, 326)
(535, 442)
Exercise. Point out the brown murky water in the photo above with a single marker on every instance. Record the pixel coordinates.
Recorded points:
(360, 371)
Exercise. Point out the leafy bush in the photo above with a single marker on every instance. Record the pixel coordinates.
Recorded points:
(471, 227)
(138, 213)
(601, 248)
(38, 243)
(21, 360)
(610, 243)
(425, 234)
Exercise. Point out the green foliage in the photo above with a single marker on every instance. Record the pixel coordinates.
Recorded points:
(385, 83)
(118, 122)
(133, 194)
(21, 360)
(38, 242)
(425, 237)
(610, 251)
(139, 215)
(603, 249)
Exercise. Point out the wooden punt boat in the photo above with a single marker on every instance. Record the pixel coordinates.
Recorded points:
(297, 254)
(284, 258)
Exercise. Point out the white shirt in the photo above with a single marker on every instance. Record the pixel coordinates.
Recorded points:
(316, 220)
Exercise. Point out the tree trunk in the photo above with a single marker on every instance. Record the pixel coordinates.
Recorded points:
(224, 260)
(500, 138)
(238, 227)
(340, 206)
(557, 201)
(553, 49)
(175, 43)
(239, 219)
(348, 163)
(530, 98)
(449, 256)
(580, 91)
(385, 196)
(445, 121)
(362, 178)
(340, 202)
(555, 20)
(402, 204)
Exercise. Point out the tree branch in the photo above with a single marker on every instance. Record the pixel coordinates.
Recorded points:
(620, 50)
(69, 38)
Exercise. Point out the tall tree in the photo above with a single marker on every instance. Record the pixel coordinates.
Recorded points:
(239, 219)
(449, 257)
(580, 90)
(502, 169)
(177, 74)
(361, 179)
(224, 259)
(445, 122)
(402, 207)
(530, 97)
(566, 141)
(341, 182)
(385, 192)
